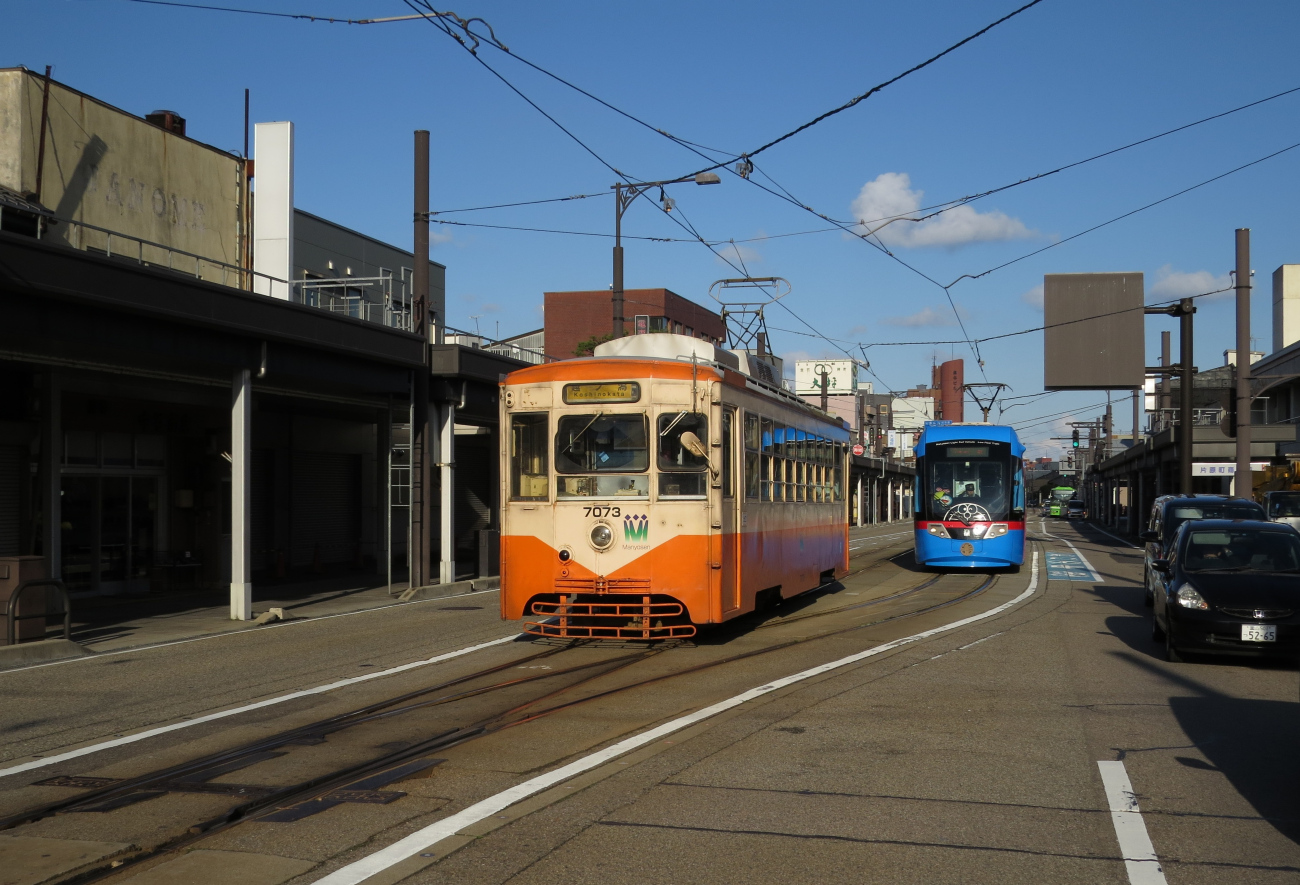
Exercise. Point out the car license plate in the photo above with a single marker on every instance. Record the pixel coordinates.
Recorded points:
(1259, 633)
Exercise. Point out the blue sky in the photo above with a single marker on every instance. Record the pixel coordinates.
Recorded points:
(1061, 82)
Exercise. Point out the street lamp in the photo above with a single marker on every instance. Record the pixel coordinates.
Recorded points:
(624, 194)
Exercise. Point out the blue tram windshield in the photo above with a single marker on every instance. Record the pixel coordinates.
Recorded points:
(967, 481)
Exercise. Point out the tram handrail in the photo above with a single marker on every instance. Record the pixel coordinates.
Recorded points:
(11, 618)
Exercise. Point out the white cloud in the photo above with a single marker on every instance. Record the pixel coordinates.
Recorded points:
(1171, 283)
(737, 253)
(926, 316)
(1034, 297)
(890, 195)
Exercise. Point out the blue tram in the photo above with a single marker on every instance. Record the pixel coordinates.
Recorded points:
(970, 497)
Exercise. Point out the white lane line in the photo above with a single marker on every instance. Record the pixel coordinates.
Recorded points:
(1096, 578)
(1116, 537)
(96, 655)
(269, 702)
(421, 840)
(1134, 844)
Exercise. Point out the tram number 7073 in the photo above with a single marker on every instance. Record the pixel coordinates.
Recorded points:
(601, 510)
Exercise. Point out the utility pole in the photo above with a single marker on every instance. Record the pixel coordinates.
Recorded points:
(824, 380)
(421, 505)
(1243, 486)
(1185, 431)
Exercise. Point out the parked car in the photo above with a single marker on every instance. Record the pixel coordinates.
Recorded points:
(1076, 510)
(1231, 587)
(1283, 507)
(1168, 512)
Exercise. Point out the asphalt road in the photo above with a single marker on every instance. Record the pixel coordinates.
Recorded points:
(968, 756)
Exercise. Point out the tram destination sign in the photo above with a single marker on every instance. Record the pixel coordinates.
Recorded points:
(1093, 338)
(608, 392)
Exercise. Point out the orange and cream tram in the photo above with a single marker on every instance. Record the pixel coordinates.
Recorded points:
(660, 485)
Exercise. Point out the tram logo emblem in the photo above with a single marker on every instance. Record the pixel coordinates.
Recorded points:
(636, 527)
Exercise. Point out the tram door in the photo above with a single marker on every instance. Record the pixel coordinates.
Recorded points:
(730, 521)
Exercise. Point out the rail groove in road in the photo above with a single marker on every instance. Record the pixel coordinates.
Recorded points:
(268, 800)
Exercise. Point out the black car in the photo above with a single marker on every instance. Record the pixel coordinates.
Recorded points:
(1229, 586)
(1168, 512)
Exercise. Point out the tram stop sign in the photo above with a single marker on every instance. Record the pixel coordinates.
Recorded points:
(859, 450)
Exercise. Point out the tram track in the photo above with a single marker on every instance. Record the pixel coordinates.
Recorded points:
(517, 713)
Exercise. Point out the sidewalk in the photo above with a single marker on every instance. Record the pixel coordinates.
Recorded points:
(114, 623)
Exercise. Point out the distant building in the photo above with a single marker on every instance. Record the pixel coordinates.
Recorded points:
(574, 317)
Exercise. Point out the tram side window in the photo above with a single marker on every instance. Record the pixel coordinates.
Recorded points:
(769, 457)
(681, 473)
(528, 450)
(728, 456)
(752, 456)
(839, 471)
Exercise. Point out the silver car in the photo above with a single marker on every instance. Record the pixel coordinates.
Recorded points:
(1283, 507)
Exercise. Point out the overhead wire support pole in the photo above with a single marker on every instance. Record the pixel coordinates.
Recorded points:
(1243, 485)
(621, 201)
(1186, 371)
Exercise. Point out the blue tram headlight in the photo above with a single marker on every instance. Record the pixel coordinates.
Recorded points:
(937, 529)
(997, 530)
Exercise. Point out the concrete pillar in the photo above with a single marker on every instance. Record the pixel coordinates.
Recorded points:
(446, 489)
(861, 502)
(241, 516)
(889, 507)
(52, 471)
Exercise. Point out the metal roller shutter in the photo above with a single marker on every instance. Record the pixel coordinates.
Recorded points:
(11, 484)
(326, 509)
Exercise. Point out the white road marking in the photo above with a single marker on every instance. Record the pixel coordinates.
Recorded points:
(269, 702)
(96, 655)
(1134, 844)
(1116, 537)
(1096, 578)
(422, 840)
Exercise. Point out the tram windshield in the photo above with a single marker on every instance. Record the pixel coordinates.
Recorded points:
(968, 482)
(602, 446)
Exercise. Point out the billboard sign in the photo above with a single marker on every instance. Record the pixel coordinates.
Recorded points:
(1093, 338)
(841, 377)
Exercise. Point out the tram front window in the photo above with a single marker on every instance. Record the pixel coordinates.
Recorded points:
(682, 474)
(968, 483)
(602, 448)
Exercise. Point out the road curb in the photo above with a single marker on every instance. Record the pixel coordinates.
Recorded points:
(40, 651)
(456, 588)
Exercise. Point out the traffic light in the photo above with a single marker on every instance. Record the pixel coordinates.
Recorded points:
(1075, 439)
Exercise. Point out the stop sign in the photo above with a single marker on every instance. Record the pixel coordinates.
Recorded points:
(858, 450)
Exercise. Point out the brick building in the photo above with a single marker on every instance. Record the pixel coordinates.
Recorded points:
(574, 317)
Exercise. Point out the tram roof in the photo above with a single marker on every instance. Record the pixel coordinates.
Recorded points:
(970, 431)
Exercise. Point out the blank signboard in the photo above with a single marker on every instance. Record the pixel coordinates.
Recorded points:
(1094, 337)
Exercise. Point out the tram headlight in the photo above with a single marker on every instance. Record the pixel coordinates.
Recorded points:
(937, 529)
(997, 530)
(601, 536)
